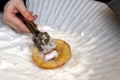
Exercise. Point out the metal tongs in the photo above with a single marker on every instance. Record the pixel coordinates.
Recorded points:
(42, 40)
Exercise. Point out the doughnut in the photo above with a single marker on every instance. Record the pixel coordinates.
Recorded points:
(64, 55)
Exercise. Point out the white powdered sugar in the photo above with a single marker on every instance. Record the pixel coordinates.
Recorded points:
(16, 60)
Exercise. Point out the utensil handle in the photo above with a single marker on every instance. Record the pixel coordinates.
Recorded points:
(30, 25)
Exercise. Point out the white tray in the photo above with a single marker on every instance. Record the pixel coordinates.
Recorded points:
(92, 24)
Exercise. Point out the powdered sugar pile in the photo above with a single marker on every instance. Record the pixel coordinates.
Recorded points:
(16, 61)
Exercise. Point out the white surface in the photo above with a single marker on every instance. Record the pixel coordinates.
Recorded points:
(17, 60)
(91, 29)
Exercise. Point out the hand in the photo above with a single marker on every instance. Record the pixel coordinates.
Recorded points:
(10, 18)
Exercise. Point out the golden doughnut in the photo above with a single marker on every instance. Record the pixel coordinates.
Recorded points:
(64, 54)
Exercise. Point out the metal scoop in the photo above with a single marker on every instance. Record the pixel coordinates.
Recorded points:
(41, 39)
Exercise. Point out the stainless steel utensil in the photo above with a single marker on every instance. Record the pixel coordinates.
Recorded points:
(41, 39)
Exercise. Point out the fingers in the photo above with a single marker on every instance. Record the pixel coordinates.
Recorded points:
(24, 11)
(16, 23)
(10, 18)
(33, 16)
